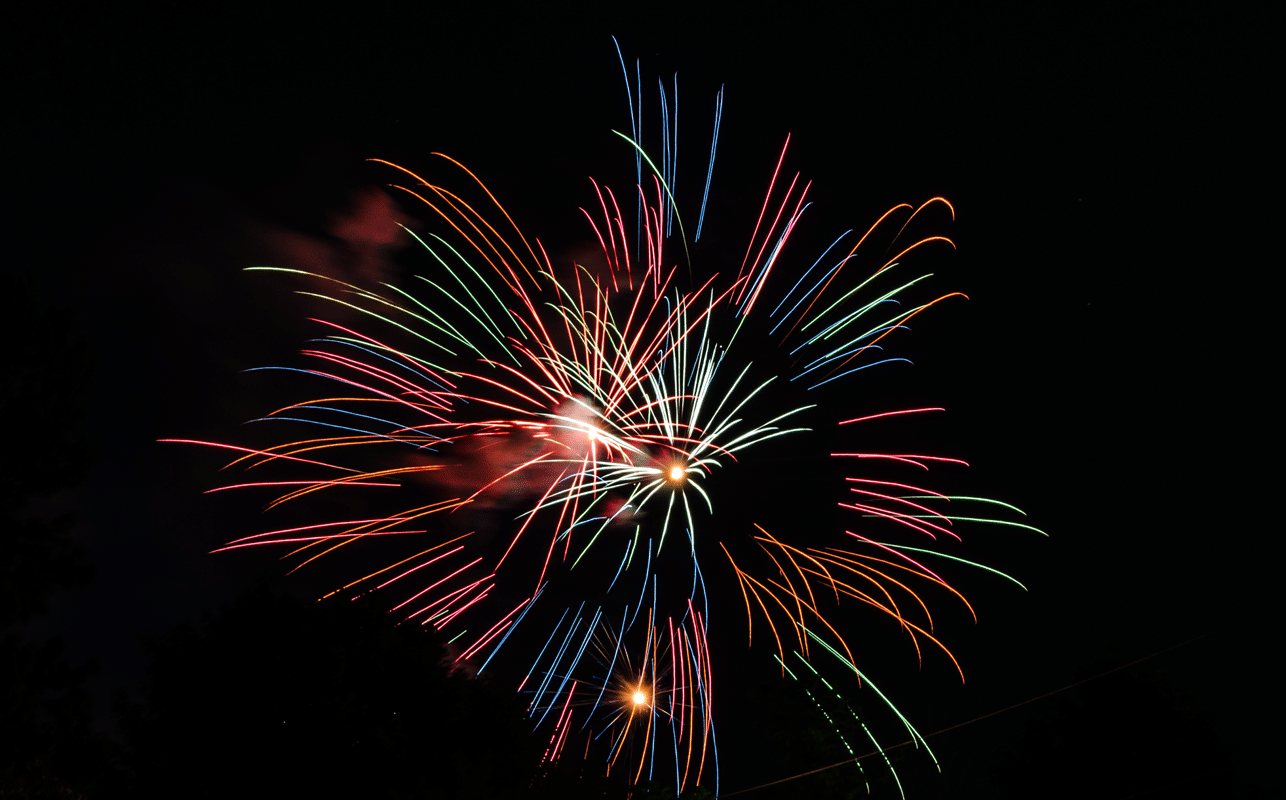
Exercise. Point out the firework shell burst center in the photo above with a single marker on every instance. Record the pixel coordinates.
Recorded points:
(569, 435)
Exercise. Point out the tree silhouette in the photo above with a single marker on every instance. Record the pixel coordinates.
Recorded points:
(275, 697)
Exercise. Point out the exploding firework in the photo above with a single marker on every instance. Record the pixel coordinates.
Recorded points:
(557, 459)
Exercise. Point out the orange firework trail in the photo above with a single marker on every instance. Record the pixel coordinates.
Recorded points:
(587, 413)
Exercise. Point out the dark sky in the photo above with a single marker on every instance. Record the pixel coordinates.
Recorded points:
(1084, 379)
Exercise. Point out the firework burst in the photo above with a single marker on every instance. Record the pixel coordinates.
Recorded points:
(544, 443)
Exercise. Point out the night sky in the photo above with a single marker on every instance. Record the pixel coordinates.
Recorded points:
(1091, 378)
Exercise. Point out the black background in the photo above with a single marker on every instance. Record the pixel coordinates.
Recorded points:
(1102, 171)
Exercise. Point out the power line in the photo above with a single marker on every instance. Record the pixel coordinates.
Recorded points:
(975, 719)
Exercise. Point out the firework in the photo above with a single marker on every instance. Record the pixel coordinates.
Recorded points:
(561, 430)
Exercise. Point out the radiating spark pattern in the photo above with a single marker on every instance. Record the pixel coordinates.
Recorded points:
(581, 416)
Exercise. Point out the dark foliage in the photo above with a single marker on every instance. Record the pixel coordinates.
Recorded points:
(276, 698)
